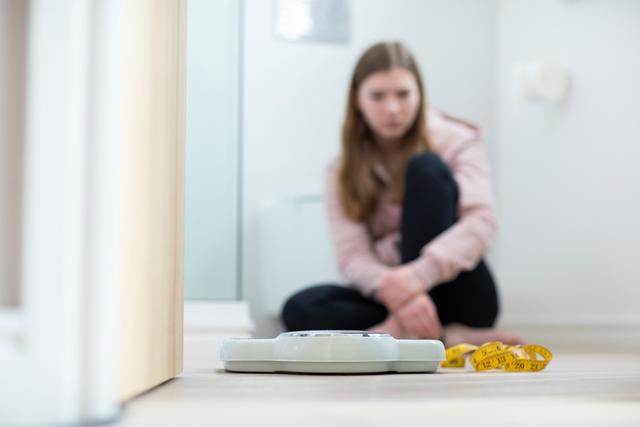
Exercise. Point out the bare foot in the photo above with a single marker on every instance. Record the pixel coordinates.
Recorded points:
(457, 334)
(390, 326)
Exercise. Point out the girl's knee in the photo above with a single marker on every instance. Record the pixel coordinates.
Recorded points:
(428, 176)
(301, 306)
(295, 310)
(428, 165)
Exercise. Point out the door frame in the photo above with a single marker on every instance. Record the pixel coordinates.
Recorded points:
(58, 346)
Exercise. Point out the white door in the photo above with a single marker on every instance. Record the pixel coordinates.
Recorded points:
(90, 205)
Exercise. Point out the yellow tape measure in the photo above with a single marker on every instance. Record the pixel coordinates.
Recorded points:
(496, 355)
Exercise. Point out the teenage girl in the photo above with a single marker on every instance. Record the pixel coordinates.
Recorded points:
(411, 214)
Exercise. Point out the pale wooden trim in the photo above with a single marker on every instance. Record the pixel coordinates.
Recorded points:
(151, 291)
(180, 177)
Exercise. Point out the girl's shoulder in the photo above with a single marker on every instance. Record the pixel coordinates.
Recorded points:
(333, 165)
(449, 134)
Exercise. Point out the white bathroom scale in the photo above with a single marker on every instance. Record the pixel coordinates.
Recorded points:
(331, 352)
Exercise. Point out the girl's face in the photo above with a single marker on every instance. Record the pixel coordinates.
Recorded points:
(389, 101)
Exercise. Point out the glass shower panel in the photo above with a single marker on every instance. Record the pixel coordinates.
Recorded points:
(213, 162)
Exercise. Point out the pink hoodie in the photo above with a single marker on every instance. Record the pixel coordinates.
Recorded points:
(366, 250)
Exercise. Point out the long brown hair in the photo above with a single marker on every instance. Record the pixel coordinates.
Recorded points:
(359, 189)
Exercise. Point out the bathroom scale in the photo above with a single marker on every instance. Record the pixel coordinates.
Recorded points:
(331, 352)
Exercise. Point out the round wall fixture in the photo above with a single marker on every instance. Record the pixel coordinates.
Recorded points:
(546, 82)
(331, 352)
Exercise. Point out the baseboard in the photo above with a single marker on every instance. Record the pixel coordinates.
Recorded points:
(618, 336)
(232, 318)
(206, 326)
(217, 317)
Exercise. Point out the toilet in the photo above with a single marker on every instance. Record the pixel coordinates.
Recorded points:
(295, 247)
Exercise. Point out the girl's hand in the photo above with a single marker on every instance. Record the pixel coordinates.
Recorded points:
(419, 317)
(398, 286)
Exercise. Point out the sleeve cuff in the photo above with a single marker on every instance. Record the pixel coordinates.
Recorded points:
(428, 270)
(369, 283)
(370, 292)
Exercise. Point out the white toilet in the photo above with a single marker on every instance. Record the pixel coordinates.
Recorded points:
(295, 248)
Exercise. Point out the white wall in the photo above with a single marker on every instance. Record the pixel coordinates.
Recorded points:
(569, 241)
(295, 95)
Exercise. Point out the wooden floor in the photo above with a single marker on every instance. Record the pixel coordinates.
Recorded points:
(577, 388)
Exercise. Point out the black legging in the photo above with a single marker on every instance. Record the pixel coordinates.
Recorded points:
(429, 208)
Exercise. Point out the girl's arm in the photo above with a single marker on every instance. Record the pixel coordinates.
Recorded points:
(461, 246)
(356, 259)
